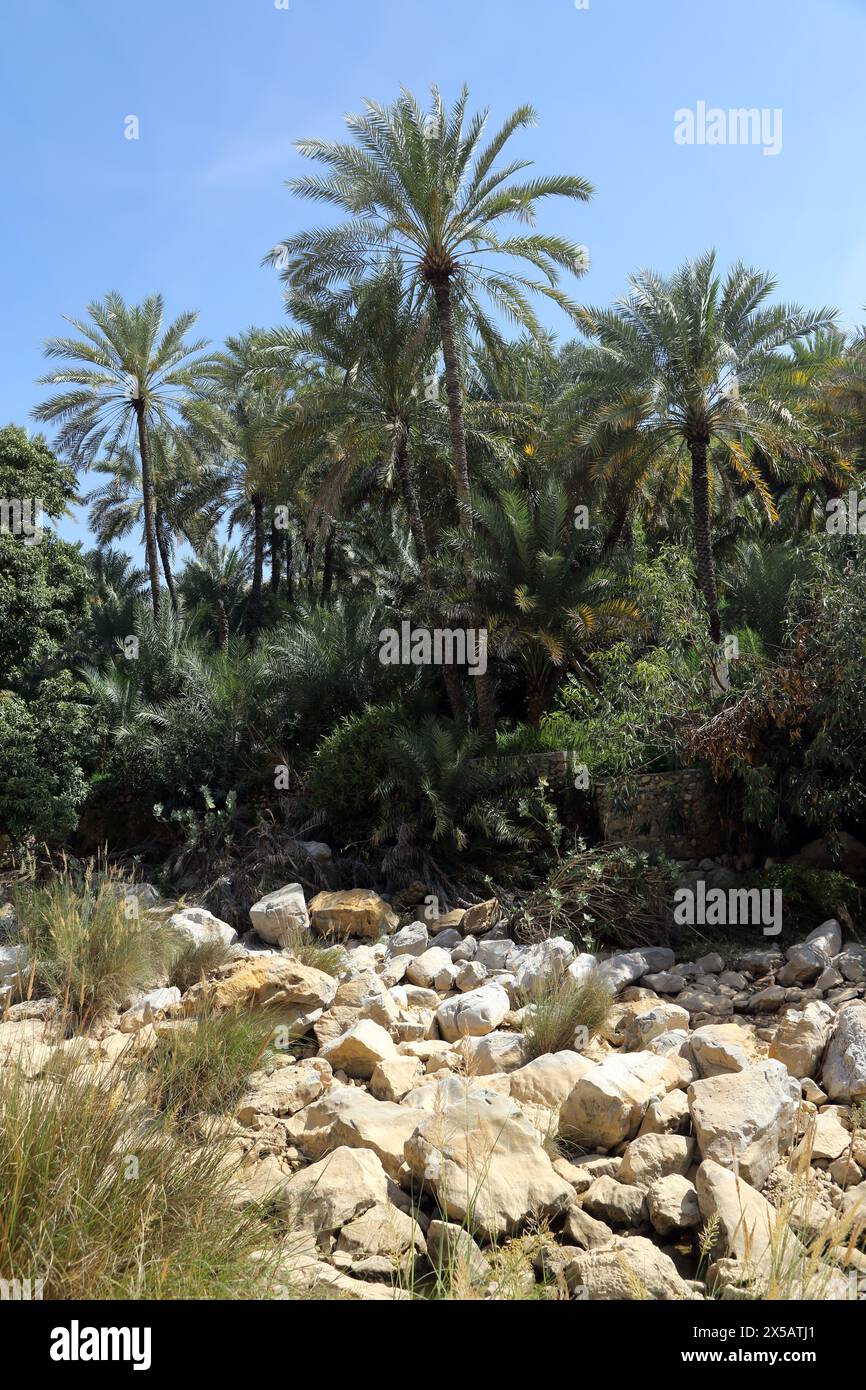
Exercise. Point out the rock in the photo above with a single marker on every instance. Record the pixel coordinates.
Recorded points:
(465, 951)
(474, 1014)
(627, 967)
(452, 1252)
(745, 1118)
(382, 1231)
(360, 1049)
(630, 1268)
(641, 1028)
(496, 1053)
(353, 912)
(768, 1000)
(826, 1138)
(412, 940)
(701, 1001)
(804, 963)
(198, 926)
(480, 918)
(583, 1230)
(828, 979)
(654, 1156)
(282, 1092)
(607, 1104)
(827, 937)
(431, 970)
(744, 1221)
(278, 914)
(672, 1204)
(545, 961)
(723, 1047)
(843, 1074)
(759, 962)
(471, 975)
(493, 955)
(446, 921)
(547, 1081)
(851, 965)
(394, 1078)
(155, 1002)
(484, 1163)
(347, 1115)
(615, 1203)
(801, 1038)
(839, 851)
(711, 964)
(665, 982)
(297, 993)
(670, 1115)
(331, 1193)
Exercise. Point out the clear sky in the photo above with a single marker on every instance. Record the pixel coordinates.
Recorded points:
(222, 88)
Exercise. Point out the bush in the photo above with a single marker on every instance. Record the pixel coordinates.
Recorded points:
(83, 945)
(555, 1011)
(196, 959)
(314, 951)
(349, 764)
(101, 1203)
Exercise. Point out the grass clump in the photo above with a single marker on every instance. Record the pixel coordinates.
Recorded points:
(201, 1067)
(101, 1202)
(195, 960)
(88, 944)
(556, 1009)
(317, 952)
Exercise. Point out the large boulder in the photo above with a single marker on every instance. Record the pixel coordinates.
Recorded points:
(672, 1204)
(640, 1028)
(607, 1104)
(483, 1161)
(296, 993)
(628, 1268)
(547, 1081)
(843, 1074)
(200, 927)
(801, 1036)
(338, 1189)
(723, 1047)
(282, 1092)
(360, 1049)
(743, 1221)
(542, 962)
(654, 1156)
(353, 912)
(277, 915)
(432, 969)
(627, 967)
(348, 1116)
(745, 1119)
(473, 1014)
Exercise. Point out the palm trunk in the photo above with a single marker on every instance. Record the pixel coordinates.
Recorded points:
(422, 548)
(254, 613)
(328, 564)
(310, 554)
(703, 543)
(276, 547)
(454, 393)
(222, 626)
(162, 545)
(147, 498)
(290, 573)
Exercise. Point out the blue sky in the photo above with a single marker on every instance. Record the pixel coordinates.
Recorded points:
(222, 88)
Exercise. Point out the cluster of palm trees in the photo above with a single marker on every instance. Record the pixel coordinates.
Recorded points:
(391, 436)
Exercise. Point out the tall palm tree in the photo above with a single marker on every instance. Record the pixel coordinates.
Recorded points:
(129, 376)
(423, 182)
(692, 369)
(212, 586)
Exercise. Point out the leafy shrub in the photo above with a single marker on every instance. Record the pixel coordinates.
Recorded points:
(348, 765)
(615, 897)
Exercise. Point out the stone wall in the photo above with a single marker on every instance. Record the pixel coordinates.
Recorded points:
(682, 813)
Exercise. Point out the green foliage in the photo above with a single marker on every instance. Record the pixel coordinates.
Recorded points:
(195, 960)
(810, 896)
(349, 763)
(202, 1069)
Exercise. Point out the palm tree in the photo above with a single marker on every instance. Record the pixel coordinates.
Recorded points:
(691, 370)
(423, 183)
(546, 597)
(128, 374)
(212, 584)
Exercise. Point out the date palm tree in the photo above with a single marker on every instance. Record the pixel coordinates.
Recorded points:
(695, 371)
(128, 375)
(424, 182)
